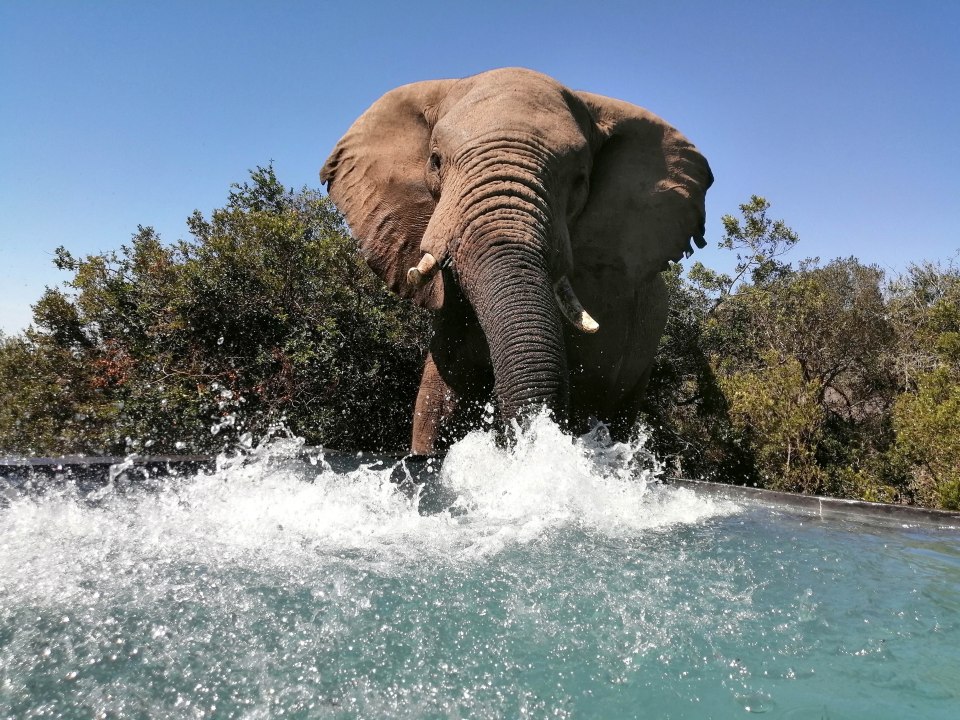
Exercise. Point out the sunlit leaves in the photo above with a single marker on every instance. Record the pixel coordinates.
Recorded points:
(779, 411)
(927, 415)
(267, 314)
(757, 241)
(820, 378)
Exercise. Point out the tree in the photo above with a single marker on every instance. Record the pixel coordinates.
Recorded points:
(776, 375)
(684, 403)
(710, 319)
(757, 241)
(926, 306)
(775, 408)
(267, 315)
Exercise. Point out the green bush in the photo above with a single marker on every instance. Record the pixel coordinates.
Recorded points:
(267, 315)
(819, 378)
(926, 416)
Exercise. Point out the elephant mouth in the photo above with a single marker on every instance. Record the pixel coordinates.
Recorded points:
(563, 292)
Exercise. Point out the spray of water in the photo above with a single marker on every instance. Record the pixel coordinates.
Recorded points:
(266, 508)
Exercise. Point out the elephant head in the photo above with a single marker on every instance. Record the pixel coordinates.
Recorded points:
(492, 188)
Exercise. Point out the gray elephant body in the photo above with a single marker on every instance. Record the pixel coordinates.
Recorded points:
(505, 202)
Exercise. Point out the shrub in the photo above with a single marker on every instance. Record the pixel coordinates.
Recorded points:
(267, 315)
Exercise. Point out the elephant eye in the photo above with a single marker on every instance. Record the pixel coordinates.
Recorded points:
(432, 176)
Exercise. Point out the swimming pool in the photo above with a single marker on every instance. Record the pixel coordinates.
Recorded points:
(555, 579)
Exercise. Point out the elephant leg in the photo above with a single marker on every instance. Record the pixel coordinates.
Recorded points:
(436, 404)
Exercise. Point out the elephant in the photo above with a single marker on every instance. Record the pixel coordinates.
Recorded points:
(534, 221)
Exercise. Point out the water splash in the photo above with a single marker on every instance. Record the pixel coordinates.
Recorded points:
(548, 480)
(266, 508)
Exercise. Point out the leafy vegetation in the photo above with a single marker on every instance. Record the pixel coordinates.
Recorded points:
(826, 378)
(926, 416)
(267, 315)
(819, 379)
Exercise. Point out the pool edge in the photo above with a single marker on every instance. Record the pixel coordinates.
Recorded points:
(827, 507)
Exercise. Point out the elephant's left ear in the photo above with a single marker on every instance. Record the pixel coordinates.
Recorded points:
(375, 176)
(647, 190)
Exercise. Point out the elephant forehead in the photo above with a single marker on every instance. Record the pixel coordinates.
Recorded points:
(514, 109)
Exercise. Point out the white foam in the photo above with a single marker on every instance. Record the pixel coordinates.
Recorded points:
(549, 479)
(259, 512)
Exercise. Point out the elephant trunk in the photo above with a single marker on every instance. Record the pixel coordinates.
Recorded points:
(510, 290)
(504, 254)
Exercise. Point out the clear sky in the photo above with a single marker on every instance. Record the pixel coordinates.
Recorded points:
(845, 115)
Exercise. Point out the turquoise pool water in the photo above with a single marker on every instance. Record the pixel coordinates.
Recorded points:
(562, 583)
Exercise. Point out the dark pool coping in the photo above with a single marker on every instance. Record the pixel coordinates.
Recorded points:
(19, 472)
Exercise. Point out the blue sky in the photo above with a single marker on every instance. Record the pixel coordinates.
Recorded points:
(845, 115)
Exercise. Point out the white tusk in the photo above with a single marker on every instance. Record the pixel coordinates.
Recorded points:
(571, 308)
(427, 266)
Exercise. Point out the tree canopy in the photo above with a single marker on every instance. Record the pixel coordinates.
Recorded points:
(267, 315)
(821, 378)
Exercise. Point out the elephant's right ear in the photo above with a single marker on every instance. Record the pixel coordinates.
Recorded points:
(375, 176)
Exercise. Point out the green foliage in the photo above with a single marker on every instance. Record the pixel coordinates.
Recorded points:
(829, 325)
(757, 241)
(50, 402)
(711, 317)
(819, 378)
(776, 409)
(684, 402)
(267, 315)
(927, 423)
(926, 417)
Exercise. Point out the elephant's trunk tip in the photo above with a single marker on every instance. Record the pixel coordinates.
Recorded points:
(571, 308)
(418, 275)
